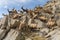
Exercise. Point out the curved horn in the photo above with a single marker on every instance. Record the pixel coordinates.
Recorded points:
(24, 9)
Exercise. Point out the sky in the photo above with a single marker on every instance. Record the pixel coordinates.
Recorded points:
(17, 4)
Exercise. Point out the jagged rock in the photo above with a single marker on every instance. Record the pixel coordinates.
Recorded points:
(4, 22)
(45, 31)
(14, 23)
(51, 33)
(2, 33)
(40, 24)
(56, 36)
(13, 35)
(35, 24)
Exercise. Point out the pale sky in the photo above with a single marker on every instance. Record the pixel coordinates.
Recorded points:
(9, 4)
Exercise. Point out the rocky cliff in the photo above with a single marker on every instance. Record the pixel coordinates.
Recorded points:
(40, 23)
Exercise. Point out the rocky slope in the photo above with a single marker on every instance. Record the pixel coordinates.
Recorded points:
(40, 23)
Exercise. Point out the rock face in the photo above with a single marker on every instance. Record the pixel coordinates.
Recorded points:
(40, 23)
(2, 33)
(56, 35)
(4, 22)
(12, 35)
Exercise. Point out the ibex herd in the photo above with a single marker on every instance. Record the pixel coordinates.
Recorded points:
(30, 16)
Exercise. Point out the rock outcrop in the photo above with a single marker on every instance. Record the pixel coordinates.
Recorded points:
(40, 23)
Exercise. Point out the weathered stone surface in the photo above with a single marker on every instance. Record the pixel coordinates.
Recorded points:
(39, 23)
(12, 35)
(4, 22)
(2, 33)
(45, 31)
(28, 39)
(58, 22)
(56, 35)
(14, 23)
(32, 24)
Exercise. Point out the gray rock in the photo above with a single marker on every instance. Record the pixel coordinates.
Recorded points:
(12, 35)
(58, 22)
(28, 39)
(39, 23)
(2, 33)
(4, 22)
(56, 35)
(14, 23)
(45, 31)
